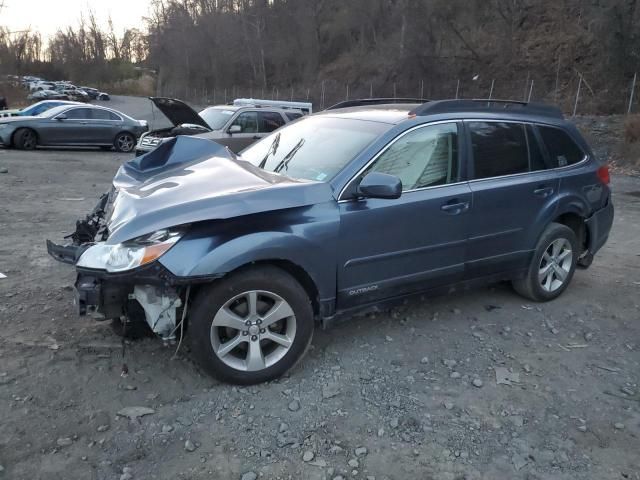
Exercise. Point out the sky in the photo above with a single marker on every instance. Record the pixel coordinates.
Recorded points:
(47, 16)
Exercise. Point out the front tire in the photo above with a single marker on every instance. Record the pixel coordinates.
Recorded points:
(251, 327)
(124, 142)
(552, 266)
(25, 139)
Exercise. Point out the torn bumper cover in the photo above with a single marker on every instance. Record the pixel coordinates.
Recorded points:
(150, 293)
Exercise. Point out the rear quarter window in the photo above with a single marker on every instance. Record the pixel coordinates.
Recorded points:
(562, 149)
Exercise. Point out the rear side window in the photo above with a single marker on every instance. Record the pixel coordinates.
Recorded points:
(78, 114)
(293, 116)
(270, 121)
(97, 114)
(562, 149)
(498, 149)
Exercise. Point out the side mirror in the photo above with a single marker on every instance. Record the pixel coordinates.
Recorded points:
(235, 129)
(380, 185)
(62, 116)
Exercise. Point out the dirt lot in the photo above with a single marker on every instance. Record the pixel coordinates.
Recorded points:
(409, 393)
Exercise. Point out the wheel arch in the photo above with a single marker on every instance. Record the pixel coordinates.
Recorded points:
(296, 271)
(13, 135)
(576, 222)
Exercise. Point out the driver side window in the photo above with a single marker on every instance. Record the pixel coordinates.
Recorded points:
(248, 121)
(425, 157)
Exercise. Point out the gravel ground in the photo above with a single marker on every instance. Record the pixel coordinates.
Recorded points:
(473, 385)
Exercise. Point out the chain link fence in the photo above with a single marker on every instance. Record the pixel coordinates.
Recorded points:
(574, 96)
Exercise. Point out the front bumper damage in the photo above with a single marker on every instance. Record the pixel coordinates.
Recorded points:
(148, 294)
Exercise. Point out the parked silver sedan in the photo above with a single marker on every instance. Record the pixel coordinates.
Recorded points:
(73, 126)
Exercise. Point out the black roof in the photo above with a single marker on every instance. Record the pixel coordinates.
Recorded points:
(487, 106)
(459, 106)
(363, 102)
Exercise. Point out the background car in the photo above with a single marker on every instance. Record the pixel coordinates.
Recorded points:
(48, 95)
(235, 126)
(73, 125)
(36, 108)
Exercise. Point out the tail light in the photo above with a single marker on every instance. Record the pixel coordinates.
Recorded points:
(603, 175)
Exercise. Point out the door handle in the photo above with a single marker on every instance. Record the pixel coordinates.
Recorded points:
(543, 191)
(455, 208)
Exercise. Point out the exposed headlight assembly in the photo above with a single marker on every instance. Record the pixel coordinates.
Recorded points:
(131, 254)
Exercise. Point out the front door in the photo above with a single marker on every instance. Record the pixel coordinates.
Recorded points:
(388, 248)
(74, 129)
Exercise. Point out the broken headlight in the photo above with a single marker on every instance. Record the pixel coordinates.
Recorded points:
(131, 254)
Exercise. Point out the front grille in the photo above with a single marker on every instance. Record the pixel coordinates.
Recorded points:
(150, 142)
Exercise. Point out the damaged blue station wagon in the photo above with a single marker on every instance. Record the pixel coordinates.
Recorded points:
(360, 204)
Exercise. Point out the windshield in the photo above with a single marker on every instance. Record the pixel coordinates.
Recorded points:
(216, 118)
(53, 111)
(315, 148)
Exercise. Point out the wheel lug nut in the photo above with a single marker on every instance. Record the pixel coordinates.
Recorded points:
(254, 338)
(245, 333)
(258, 322)
(262, 330)
(248, 323)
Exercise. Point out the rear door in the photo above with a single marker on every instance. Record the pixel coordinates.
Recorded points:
(104, 126)
(514, 194)
(394, 247)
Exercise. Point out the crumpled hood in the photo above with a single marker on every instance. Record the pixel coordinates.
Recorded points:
(188, 180)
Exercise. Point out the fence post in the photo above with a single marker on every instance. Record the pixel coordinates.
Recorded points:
(421, 89)
(225, 96)
(457, 89)
(322, 97)
(292, 94)
(526, 84)
(633, 88)
(555, 97)
(530, 92)
(575, 106)
(491, 90)
(394, 89)
(347, 98)
(371, 90)
(308, 93)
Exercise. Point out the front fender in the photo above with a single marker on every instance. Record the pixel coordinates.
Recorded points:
(305, 237)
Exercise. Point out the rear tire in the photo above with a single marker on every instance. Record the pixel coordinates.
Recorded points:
(237, 346)
(124, 142)
(552, 265)
(25, 139)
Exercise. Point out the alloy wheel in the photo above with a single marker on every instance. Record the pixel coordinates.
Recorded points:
(555, 265)
(125, 143)
(253, 330)
(28, 140)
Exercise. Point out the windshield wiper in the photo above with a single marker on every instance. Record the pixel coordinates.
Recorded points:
(284, 163)
(272, 150)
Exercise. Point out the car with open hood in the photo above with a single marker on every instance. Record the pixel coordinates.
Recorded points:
(337, 212)
(235, 126)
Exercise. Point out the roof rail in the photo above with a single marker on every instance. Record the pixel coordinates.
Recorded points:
(375, 101)
(487, 105)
